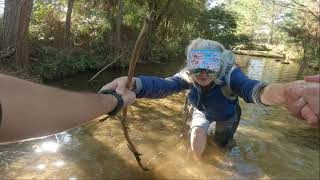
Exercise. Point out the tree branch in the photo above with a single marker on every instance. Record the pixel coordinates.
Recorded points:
(107, 66)
(135, 55)
(302, 7)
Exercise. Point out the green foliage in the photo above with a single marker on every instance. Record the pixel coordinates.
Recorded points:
(250, 14)
(166, 51)
(220, 25)
(302, 29)
(1, 29)
(93, 24)
(217, 21)
(252, 46)
(280, 22)
(134, 15)
(58, 64)
(46, 27)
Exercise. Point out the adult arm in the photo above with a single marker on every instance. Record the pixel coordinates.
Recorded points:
(32, 110)
(301, 98)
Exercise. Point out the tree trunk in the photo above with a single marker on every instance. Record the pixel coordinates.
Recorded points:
(67, 33)
(318, 34)
(109, 8)
(118, 24)
(22, 52)
(10, 23)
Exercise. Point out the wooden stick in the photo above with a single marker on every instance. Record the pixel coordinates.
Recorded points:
(134, 58)
(153, 159)
(106, 66)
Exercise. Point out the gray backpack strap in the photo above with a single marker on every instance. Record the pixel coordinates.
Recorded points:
(228, 61)
(226, 88)
(228, 65)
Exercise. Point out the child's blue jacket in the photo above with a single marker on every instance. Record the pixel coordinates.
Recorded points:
(213, 104)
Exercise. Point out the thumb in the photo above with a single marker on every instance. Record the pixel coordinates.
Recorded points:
(121, 86)
(112, 85)
(315, 78)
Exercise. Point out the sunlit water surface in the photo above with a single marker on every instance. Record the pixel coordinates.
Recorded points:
(269, 143)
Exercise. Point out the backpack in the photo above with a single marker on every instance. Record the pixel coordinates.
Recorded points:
(228, 65)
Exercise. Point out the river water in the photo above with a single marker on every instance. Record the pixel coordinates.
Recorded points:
(269, 143)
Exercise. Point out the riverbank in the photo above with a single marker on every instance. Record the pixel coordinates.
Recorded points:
(22, 74)
(259, 53)
(52, 73)
(279, 57)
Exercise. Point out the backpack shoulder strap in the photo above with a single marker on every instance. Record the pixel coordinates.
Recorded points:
(228, 65)
(226, 88)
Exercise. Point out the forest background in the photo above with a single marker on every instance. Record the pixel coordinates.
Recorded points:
(55, 39)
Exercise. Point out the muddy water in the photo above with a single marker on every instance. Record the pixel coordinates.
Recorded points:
(269, 143)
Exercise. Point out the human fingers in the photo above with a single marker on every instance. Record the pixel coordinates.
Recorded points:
(311, 118)
(295, 107)
(315, 78)
(112, 85)
(128, 97)
(311, 95)
(293, 94)
(122, 83)
(294, 89)
(118, 85)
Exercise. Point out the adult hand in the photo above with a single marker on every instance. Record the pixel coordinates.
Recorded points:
(315, 78)
(303, 99)
(119, 85)
(293, 94)
(311, 95)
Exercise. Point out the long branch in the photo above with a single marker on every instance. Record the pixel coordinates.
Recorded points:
(134, 58)
(290, 6)
(107, 66)
(305, 8)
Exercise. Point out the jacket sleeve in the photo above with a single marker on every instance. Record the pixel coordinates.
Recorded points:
(245, 87)
(155, 87)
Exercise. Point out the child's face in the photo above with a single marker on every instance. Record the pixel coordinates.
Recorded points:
(203, 79)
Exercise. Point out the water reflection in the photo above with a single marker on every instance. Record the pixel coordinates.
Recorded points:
(72, 178)
(41, 167)
(47, 147)
(269, 144)
(59, 163)
(255, 69)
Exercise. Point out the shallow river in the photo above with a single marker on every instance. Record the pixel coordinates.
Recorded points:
(269, 143)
